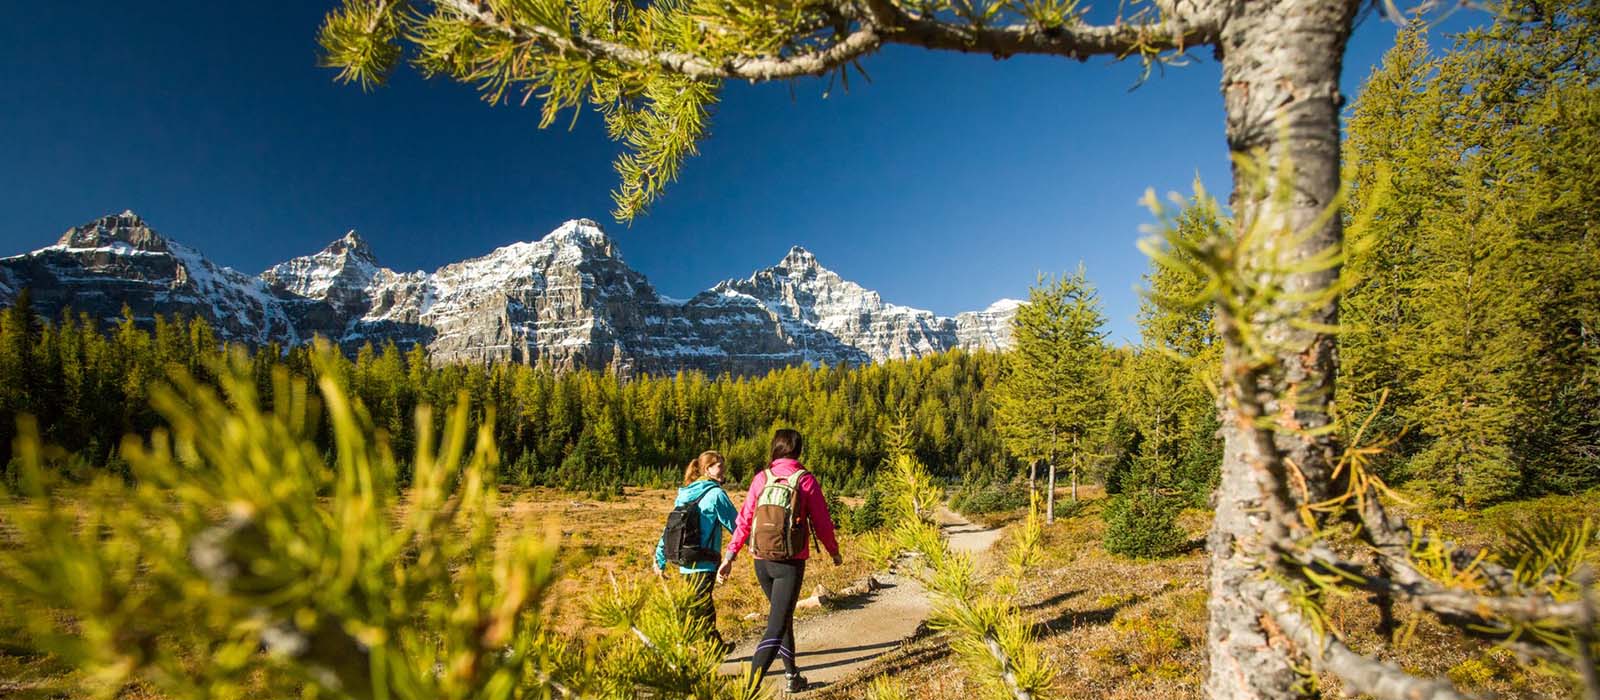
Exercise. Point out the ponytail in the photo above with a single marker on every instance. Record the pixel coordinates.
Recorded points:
(698, 466)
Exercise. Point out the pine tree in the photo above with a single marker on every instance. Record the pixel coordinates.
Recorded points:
(18, 335)
(1167, 396)
(1536, 84)
(1051, 401)
(1400, 157)
(1470, 354)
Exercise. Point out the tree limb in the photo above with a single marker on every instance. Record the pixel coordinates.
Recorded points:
(849, 48)
(883, 23)
(1078, 41)
(1360, 674)
(1454, 611)
(1415, 587)
(1391, 538)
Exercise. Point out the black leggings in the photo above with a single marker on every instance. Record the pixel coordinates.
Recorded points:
(704, 607)
(780, 580)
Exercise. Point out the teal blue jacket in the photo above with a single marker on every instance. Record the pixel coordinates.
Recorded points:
(716, 514)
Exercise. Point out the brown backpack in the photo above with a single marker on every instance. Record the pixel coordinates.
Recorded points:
(780, 527)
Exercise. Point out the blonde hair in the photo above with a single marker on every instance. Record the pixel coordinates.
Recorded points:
(698, 467)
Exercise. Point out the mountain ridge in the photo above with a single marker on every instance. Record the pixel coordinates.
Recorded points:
(567, 299)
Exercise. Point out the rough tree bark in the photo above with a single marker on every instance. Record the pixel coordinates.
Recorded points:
(1281, 61)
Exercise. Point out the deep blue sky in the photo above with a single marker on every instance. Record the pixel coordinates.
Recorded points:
(945, 184)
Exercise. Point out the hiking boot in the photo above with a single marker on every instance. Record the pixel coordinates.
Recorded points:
(794, 683)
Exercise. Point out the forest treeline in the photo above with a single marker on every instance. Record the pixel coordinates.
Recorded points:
(584, 430)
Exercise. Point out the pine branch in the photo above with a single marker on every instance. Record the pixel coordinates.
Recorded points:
(1079, 41)
(1456, 609)
(846, 49)
(884, 23)
(1361, 674)
(1392, 539)
(1414, 586)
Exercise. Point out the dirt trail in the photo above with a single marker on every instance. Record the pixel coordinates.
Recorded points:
(835, 645)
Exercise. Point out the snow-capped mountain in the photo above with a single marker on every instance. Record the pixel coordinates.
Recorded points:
(568, 300)
(845, 320)
(117, 261)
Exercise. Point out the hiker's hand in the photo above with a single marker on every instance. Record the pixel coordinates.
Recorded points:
(837, 559)
(724, 570)
(660, 572)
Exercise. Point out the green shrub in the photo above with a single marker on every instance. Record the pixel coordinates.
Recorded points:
(838, 509)
(1143, 525)
(526, 470)
(1066, 508)
(990, 498)
(604, 490)
(869, 516)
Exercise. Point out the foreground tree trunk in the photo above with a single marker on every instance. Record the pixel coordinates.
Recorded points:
(1281, 61)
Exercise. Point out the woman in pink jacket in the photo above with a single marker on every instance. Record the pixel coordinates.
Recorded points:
(781, 578)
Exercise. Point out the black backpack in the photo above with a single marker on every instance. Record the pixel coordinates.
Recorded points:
(681, 539)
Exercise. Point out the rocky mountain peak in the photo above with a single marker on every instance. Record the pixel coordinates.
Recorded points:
(799, 260)
(340, 271)
(1004, 306)
(351, 245)
(114, 230)
(583, 233)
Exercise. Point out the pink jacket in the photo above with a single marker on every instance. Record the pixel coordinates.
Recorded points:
(810, 498)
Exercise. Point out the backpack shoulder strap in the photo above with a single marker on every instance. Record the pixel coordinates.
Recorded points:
(703, 495)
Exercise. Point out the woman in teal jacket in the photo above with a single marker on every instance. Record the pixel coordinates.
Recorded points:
(702, 485)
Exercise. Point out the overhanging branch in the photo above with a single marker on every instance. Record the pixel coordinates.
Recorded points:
(851, 47)
(1452, 606)
(1072, 41)
(883, 23)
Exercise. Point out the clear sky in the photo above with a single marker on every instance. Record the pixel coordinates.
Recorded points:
(946, 183)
